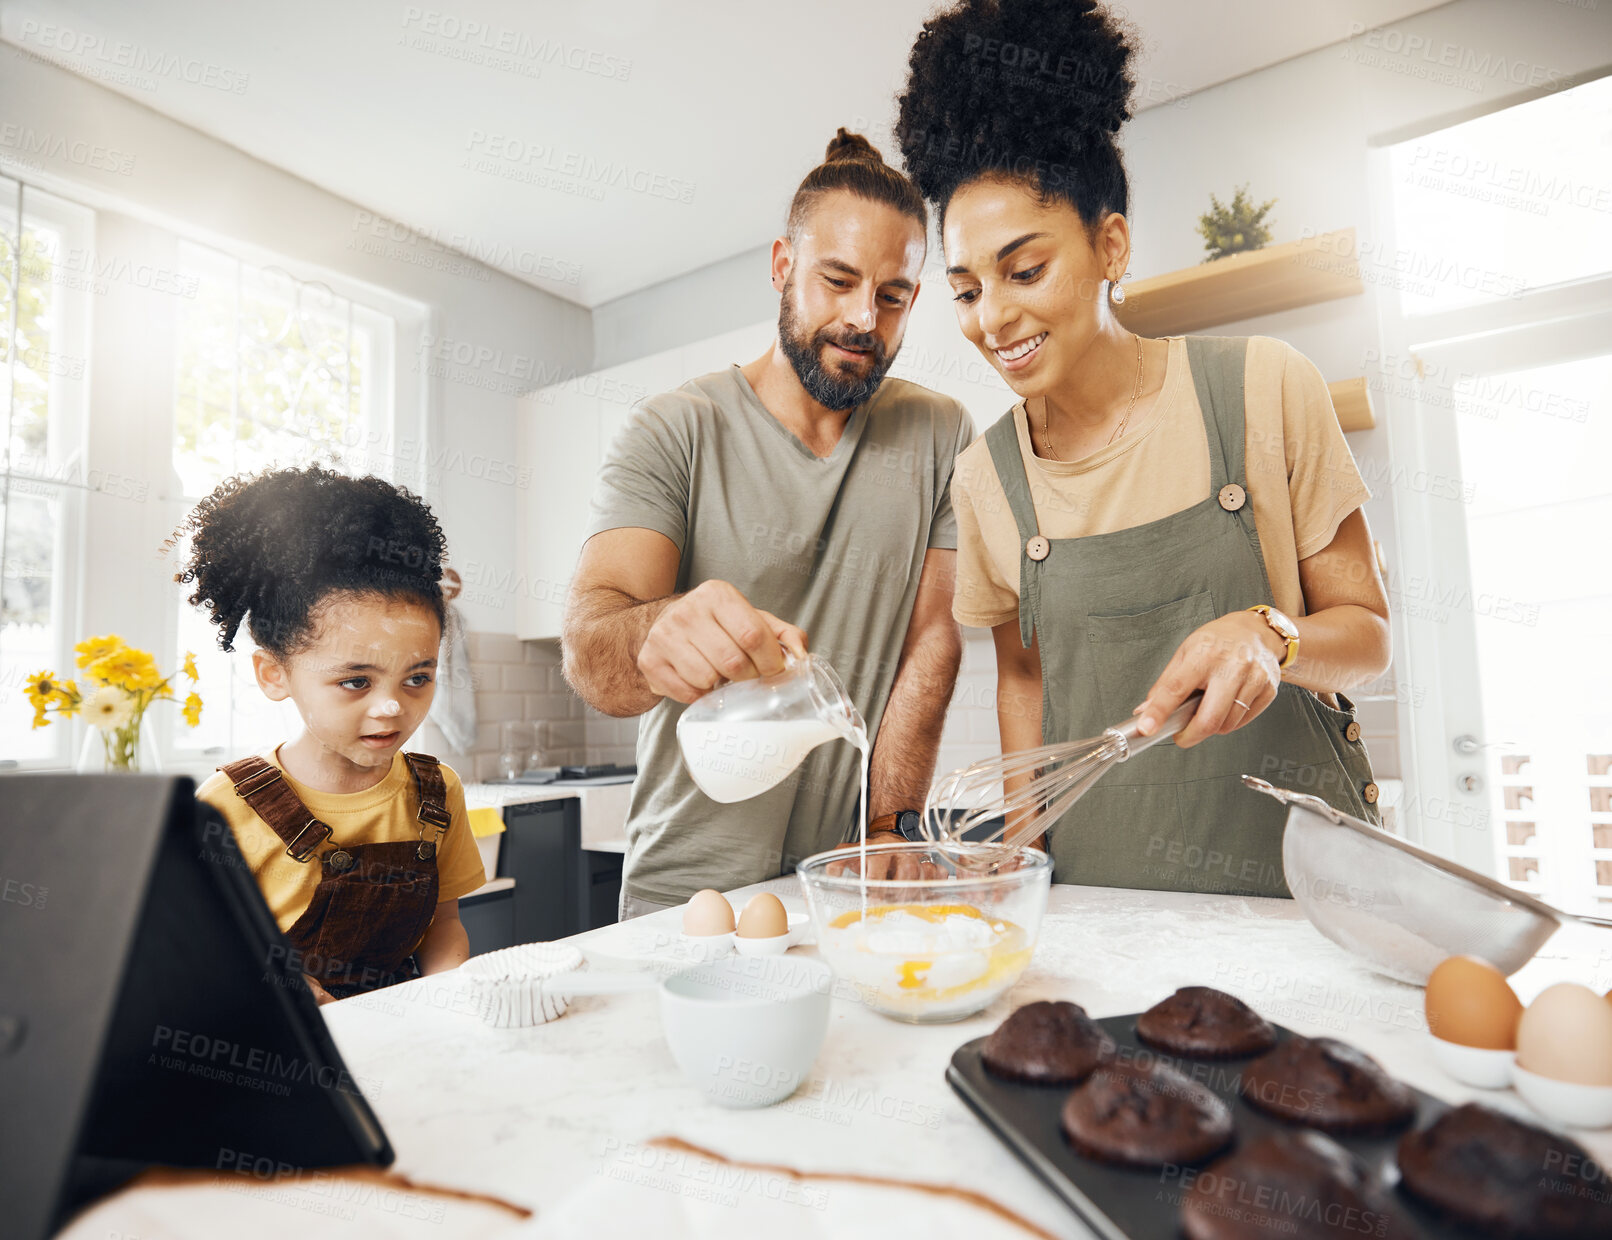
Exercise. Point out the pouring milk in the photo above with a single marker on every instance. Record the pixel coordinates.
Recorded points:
(747, 736)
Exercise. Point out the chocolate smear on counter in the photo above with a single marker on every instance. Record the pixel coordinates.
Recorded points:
(980, 1200)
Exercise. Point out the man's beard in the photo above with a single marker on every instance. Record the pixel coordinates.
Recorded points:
(824, 383)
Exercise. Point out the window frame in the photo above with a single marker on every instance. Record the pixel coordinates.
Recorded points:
(75, 223)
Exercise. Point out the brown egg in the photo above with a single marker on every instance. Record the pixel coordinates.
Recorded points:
(1566, 1034)
(763, 918)
(707, 912)
(1469, 1002)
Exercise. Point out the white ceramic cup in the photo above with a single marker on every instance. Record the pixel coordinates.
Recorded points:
(746, 1029)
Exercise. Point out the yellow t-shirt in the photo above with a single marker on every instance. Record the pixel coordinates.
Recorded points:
(376, 815)
(1301, 479)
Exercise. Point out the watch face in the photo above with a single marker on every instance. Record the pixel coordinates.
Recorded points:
(910, 823)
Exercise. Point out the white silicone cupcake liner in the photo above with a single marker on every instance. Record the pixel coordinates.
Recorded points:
(506, 986)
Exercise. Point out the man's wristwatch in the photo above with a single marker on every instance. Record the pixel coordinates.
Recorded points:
(1284, 628)
(907, 823)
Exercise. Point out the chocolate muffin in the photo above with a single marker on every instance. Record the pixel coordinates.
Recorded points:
(1300, 1186)
(1047, 1043)
(1205, 1023)
(1324, 1083)
(1505, 1177)
(1145, 1117)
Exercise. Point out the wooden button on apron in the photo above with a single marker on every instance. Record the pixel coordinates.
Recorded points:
(1370, 793)
(1037, 548)
(1352, 732)
(1232, 497)
(340, 861)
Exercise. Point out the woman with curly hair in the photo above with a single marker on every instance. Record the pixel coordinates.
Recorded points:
(360, 849)
(1152, 517)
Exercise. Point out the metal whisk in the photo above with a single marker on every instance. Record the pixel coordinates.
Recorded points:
(1059, 775)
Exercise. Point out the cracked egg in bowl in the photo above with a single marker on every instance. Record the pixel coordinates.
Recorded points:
(923, 940)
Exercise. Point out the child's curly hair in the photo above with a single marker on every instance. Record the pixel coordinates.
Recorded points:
(1023, 90)
(268, 550)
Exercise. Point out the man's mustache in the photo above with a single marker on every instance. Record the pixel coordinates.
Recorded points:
(866, 340)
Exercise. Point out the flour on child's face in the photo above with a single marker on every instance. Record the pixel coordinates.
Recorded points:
(365, 682)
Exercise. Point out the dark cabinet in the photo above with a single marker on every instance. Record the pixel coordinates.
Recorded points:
(561, 888)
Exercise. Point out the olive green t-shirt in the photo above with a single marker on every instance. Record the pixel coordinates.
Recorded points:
(834, 545)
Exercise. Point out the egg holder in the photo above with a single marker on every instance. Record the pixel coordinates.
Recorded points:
(715, 946)
(706, 947)
(1564, 1102)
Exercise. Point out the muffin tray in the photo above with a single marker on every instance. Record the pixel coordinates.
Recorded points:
(1126, 1203)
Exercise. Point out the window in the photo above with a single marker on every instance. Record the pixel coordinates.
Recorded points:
(1512, 201)
(271, 371)
(43, 401)
(1504, 346)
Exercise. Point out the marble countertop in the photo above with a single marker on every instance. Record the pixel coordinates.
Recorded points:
(557, 1118)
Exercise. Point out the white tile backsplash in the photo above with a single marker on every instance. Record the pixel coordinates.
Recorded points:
(519, 681)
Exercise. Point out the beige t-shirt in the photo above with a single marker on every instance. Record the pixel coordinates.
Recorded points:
(1301, 478)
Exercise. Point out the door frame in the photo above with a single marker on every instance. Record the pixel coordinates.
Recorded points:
(1434, 670)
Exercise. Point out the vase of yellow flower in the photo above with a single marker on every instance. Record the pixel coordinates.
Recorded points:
(120, 685)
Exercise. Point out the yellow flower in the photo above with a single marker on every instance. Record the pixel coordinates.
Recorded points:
(108, 708)
(126, 668)
(68, 700)
(42, 687)
(40, 720)
(192, 709)
(94, 648)
(190, 667)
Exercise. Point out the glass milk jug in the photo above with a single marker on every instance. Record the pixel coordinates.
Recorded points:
(746, 736)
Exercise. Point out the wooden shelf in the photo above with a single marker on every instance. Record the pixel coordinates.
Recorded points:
(1351, 398)
(1241, 286)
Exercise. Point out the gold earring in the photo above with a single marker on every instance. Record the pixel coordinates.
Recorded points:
(1116, 294)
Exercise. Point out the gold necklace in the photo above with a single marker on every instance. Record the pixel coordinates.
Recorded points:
(1046, 415)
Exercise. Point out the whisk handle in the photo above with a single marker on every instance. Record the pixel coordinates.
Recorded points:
(1135, 742)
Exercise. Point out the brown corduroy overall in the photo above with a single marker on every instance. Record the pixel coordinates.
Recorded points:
(374, 901)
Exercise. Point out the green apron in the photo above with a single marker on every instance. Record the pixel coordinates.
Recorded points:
(1110, 610)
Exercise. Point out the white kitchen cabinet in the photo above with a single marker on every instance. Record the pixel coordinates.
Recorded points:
(557, 441)
(562, 436)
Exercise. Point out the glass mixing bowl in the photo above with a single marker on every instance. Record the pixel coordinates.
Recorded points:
(935, 945)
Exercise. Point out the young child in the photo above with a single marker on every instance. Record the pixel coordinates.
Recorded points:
(361, 850)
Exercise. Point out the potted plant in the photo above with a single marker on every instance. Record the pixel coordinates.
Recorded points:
(1234, 228)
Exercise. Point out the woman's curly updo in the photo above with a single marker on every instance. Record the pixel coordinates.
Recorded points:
(1032, 91)
(268, 550)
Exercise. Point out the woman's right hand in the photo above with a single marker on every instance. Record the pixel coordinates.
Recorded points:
(321, 996)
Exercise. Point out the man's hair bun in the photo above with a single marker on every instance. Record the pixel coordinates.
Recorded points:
(853, 165)
(847, 145)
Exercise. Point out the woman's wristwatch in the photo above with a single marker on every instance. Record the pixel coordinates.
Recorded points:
(907, 823)
(1283, 628)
